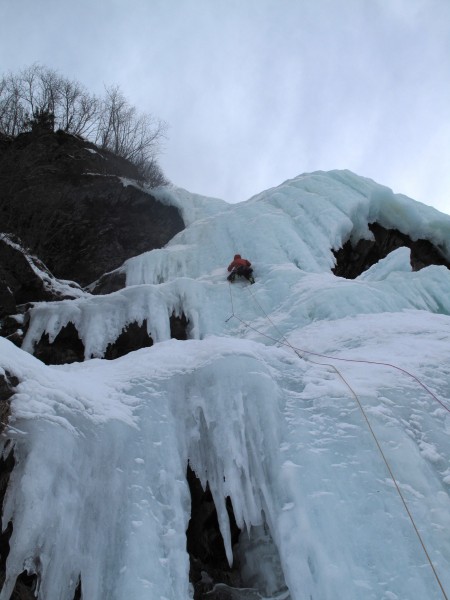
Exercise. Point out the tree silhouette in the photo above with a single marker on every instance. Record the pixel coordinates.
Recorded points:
(55, 102)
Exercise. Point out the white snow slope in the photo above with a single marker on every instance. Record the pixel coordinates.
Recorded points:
(343, 463)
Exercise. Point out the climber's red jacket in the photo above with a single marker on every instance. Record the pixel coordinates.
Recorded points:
(238, 262)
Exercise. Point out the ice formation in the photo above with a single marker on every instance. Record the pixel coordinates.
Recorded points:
(262, 401)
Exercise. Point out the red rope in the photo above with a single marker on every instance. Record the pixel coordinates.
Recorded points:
(352, 360)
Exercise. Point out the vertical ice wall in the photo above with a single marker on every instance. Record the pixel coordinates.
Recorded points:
(99, 489)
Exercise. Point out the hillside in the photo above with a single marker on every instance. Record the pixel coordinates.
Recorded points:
(70, 204)
(188, 437)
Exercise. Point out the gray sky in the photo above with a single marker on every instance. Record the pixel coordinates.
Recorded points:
(259, 91)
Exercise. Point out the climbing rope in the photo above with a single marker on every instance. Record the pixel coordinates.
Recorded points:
(352, 360)
(361, 408)
(397, 487)
(232, 306)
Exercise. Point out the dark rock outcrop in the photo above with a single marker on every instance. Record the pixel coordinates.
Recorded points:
(352, 260)
(67, 347)
(25, 588)
(7, 384)
(208, 562)
(19, 283)
(5, 536)
(109, 282)
(25, 279)
(133, 337)
(64, 198)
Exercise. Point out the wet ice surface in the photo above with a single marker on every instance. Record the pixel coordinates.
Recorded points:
(102, 447)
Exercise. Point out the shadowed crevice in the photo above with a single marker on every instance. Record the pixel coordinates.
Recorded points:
(179, 327)
(25, 587)
(354, 259)
(78, 592)
(66, 348)
(208, 562)
(133, 337)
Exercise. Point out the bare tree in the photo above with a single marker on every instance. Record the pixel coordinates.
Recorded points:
(113, 112)
(126, 133)
(3, 101)
(48, 89)
(33, 91)
(12, 111)
(40, 98)
(78, 110)
(152, 173)
(27, 83)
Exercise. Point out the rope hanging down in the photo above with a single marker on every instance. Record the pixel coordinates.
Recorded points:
(309, 352)
(364, 414)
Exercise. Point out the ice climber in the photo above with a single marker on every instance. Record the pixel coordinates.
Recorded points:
(242, 267)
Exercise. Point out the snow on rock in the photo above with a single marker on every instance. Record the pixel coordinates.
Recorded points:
(58, 288)
(261, 402)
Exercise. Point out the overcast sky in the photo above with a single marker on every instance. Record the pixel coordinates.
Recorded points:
(258, 91)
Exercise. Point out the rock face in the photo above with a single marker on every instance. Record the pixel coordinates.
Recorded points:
(208, 561)
(25, 279)
(67, 202)
(68, 348)
(19, 283)
(7, 384)
(352, 260)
